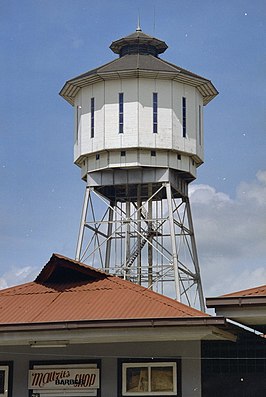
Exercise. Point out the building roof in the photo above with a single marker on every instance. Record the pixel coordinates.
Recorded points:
(250, 296)
(138, 60)
(245, 306)
(138, 42)
(67, 290)
(71, 303)
(256, 291)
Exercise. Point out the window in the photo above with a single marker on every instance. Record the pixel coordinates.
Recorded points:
(5, 379)
(155, 112)
(179, 157)
(92, 116)
(123, 153)
(153, 153)
(184, 116)
(97, 157)
(200, 125)
(121, 113)
(154, 378)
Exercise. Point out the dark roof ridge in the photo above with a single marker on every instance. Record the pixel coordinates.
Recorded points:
(64, 261)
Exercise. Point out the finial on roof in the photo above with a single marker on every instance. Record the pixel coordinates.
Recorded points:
(138, 27)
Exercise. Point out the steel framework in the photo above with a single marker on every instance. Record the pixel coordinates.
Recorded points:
(143, 233)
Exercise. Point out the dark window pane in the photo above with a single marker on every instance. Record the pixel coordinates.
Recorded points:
(162, 379)
(2, 381)
(155, 112)
(121, 112)
(184, 116)
(137, 380)
(92, 117)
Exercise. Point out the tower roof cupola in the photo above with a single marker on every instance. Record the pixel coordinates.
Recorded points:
(138, 43)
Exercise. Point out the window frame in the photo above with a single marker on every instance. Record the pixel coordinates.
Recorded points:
(149, 363)
(7, 366)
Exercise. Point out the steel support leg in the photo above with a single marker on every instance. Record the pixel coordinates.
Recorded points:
(173, 240)
(195, 257)
(109, 239)
(82, 224)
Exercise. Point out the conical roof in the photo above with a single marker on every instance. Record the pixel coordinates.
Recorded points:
(138, 43)
(138, 58)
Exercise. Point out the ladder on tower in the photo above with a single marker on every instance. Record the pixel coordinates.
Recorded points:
(153, 229)
(135, 251)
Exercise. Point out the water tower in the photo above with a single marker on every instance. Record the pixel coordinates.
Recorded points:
(138, 141)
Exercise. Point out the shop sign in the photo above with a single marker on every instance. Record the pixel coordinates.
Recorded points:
(65, 378)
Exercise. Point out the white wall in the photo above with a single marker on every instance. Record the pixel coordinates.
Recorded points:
(138, 117)
(108, 353)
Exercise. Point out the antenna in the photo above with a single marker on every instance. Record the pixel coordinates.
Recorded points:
(154, 17)
(138, 27)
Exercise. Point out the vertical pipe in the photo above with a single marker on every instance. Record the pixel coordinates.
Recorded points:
(173, 239)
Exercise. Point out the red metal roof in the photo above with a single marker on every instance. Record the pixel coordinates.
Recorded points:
(67, 290)
(257, 291)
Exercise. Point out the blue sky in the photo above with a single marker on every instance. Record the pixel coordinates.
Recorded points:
(46, 42)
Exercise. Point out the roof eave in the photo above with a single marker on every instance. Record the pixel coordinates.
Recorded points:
(235, 301)
(140, 330)
(72, 87)
(115, 323)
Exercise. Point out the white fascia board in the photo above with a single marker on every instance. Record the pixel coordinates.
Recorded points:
(117, 335)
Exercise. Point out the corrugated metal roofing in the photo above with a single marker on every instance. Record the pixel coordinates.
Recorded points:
(256, 291)
(67, 290)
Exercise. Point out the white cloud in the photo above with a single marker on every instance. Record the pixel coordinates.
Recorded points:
(16, 276)
(231, 235)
